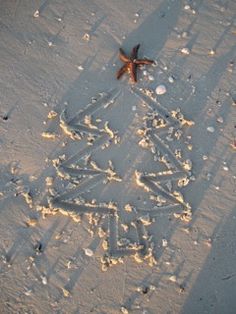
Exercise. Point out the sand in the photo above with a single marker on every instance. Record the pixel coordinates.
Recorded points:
(117, 197)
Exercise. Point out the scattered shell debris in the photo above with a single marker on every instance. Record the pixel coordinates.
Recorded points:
(48, 135)
(146, 220)
(179, 116)
(128, 208)
(49, 181)
(52, 114)
(65, 292)
(27, 196)
(152, 120)
(31, 222)
(185, 51)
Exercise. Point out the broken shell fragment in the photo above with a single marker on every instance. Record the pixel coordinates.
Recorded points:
(88, 252)
(185, 51)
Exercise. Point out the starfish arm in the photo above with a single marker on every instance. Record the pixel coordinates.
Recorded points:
(133, 72)
(134, 53)
(143, 61)
(121, 71)
(123, 56)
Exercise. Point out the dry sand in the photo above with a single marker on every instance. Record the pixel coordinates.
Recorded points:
(114, 198)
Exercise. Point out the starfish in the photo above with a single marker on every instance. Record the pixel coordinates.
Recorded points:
(131, 63)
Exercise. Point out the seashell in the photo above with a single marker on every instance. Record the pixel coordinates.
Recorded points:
(161, 89)
(211, 129)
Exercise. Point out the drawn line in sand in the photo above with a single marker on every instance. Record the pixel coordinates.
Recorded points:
(81, 124)
(85, 175)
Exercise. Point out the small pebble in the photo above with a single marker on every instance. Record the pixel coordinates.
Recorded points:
(208, 176)
(212, 52)
(164, 242)
(160, 89)
(211, 129)
(86, 37)
(226, 168)
(171, 79)
(44, 280)
(187, 7)
(184, 34)
(134, 108)
(80, 68)
(151, 78)
(204, 157)
(185, 51)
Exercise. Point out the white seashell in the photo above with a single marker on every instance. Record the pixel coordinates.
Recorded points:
(187, 7)
(211, 129)
(220, 120)
(161, 89)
